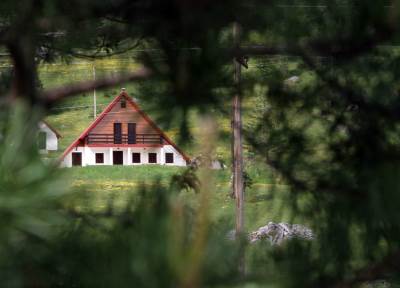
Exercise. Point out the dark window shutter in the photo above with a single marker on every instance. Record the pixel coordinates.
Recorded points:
(76, 159)
(131, 133)
(99, 157)
(117, 133)
(152, 157)
(135, 157)
(118, 158)
(169, 157)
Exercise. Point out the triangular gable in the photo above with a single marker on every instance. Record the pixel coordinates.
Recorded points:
(51, 128)
(108, 109)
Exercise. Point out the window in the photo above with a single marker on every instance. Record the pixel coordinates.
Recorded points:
(76, 159)
(169, 157)
(123, 103)
(152, 157)
(42, 140)
(117, 133)
(131, 133)
(135, 157)
(99, 158)
(118, 157)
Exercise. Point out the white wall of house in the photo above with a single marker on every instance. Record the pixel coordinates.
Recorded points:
(178, 158)
(51, 137)
(89, 155)
(67, 161)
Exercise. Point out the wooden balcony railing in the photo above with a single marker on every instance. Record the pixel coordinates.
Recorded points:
(123, 139)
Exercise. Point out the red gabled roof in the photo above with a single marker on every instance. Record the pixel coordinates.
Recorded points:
(108, 109)
(52, 128)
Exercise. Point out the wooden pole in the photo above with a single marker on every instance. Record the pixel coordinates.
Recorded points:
(94, 94)
(237, 157)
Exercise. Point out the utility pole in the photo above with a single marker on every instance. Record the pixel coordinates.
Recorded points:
(94, 94)
(237, 147)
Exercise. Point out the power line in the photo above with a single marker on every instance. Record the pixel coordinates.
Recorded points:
(73, 107)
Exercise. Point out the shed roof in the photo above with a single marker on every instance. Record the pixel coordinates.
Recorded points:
(52, 128)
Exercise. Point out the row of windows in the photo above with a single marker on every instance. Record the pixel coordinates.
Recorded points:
(136, 158)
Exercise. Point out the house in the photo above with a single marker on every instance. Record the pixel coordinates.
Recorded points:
(47, 137)
(123, 135)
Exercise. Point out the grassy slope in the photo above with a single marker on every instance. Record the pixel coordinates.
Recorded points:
(119, 183)
(99, 185)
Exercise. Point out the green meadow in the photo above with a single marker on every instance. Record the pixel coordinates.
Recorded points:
(110, 187)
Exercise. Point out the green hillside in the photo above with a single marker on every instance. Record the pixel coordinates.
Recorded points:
(73, 115)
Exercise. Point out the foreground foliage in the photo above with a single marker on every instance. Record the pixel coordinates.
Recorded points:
(327, 124)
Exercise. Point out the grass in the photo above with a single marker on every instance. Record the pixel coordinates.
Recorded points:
(99, 187)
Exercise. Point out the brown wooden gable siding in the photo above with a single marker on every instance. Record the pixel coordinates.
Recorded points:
(124, 116)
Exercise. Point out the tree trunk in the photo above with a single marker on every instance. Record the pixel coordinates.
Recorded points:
(237, 157)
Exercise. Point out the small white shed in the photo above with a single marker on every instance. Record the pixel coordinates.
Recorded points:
(47, 137)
